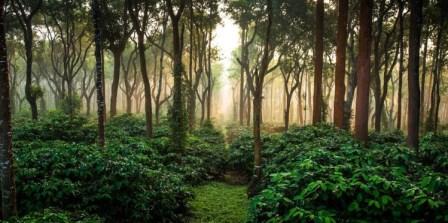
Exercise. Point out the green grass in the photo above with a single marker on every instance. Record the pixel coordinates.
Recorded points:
(219, 203)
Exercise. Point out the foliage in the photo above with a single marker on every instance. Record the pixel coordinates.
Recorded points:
(71, 105)
(55, 126)
(56, 216)
(320, 174)
(434, 151)
(204, 158)
(120, 183)
(126, 125)
(231, 208)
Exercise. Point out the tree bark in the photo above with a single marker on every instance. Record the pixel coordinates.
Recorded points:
(340, 64)
(318, 62)
(401, 64)
(413, 73)
(115, 81)
(177, 112)
(8, 187)
(363, 71)
(99, 72)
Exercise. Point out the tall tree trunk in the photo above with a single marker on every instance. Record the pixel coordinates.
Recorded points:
(99, 72)
(413, 76)
(401, 64)
(241, 106)
(340, 64)
(318, 62)
(363, 71)
(177, 112)
(209, 76)
(30, 97)
(8, 187)
(115, 81)
(423, 85)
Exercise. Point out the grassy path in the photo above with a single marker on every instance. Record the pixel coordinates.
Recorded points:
(219, 203)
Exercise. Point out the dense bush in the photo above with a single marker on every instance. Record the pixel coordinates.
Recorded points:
(320, 174)
(434, 151)
(204, 158)
(119, 183)
(55, 126)
(56, 216)
(126, 126)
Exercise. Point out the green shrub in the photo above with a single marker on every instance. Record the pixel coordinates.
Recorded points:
(126, 126)
(320, 174)
(56, 216)
(434, 151)
(120, 183)
(55, 126)
(204, 158)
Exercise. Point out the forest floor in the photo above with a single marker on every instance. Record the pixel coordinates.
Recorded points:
(217, 202)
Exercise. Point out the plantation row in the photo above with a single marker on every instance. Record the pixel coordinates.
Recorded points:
(311, 174)
(132, 180)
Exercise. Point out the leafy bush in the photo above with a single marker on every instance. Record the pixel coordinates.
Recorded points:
(320, 174)
(56, 216)
(204, 158)
(55, 126)
(434, 151)
(123, 183)
(126, 126)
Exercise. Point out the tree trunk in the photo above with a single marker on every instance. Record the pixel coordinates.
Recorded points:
(115, 82)
(146, 84)
(401, 64)
(99, 72)
(413, 76)
(363, 72)
(340, 64)
(177, 111)
(287, 111)
(30, 97)
(8, 187)
(318, 62)
(241, 108)
(423, 87)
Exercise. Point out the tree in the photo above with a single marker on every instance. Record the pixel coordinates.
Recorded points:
(261, 69)
(363, 71)
(318, 62)
(8, 187)
(25, 11)
(340, 64)
(178, 128)
(139, 11)
(413, 73)
(116, 34)
(97, 23)
(401, 63)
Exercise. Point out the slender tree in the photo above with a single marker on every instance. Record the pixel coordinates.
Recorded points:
(340, 63)
(25, 11)
(318, 62)
(363, 71)
(139, 14)
(8, 187)
(413, 73)
(401, 63)
(96, 13)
